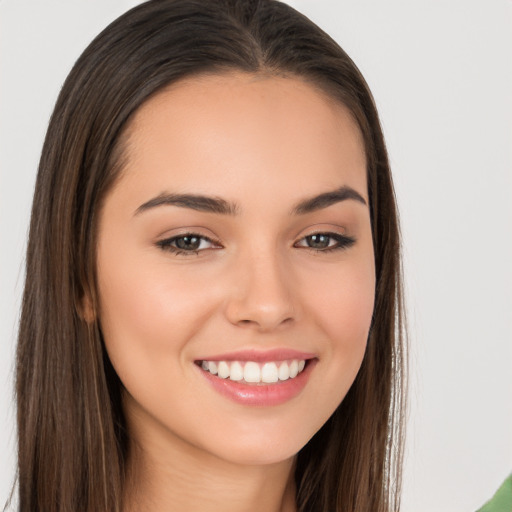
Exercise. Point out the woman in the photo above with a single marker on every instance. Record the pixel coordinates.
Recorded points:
(212, 310)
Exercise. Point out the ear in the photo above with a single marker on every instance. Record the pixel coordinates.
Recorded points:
(85, 308)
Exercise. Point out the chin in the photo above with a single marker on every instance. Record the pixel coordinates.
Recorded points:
(263, 442)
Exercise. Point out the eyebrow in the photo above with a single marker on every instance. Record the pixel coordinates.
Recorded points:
(211, 204)
(192, 201)
(327, 199)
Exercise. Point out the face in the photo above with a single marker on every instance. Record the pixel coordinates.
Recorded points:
(235, 266)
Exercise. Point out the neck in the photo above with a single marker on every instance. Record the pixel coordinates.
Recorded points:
(178, 476)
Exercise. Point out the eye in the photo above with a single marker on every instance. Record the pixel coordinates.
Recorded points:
(188, 244)
(326, 242)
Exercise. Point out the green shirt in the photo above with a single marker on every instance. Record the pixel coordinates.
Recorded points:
(502, 500)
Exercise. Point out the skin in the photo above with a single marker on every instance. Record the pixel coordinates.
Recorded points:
(265, 143)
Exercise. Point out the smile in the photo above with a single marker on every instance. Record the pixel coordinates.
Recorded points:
(252, 372)
(258, 378)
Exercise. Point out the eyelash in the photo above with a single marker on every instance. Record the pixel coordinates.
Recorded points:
(343, 242)
(165, 245)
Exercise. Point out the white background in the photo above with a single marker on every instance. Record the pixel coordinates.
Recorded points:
(441, 73)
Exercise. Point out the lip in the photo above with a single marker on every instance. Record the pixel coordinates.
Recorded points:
(260, 395)
(259, 356)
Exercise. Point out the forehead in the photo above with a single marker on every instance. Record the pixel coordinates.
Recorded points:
(240, 127)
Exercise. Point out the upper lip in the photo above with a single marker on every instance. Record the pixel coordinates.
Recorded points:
(276, 354)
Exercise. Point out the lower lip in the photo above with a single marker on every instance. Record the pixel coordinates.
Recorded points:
(263, 395)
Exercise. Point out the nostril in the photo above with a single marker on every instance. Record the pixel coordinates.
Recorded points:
(264, 323)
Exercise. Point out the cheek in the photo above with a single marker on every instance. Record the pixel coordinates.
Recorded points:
(150, 314)
(345, 303)
(142, 311)
(351, 311)
(343, 307)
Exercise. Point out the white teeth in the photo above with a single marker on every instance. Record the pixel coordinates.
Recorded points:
(237, 372)
(253, 372)
(223, 370)
(294, 369)
(269, 373)
(284, 371)
(212, 367)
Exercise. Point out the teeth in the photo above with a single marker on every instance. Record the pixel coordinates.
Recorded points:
(294, 369)
(252, 372)
(236, 372)
(223, 370)
(284, 372)
(269, 373)
(255, 373)
(212, 367)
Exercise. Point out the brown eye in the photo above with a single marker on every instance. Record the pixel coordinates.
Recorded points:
(326, 242)
(320, 241)
(190, 243)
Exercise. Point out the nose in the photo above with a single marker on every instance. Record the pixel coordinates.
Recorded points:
(262, 296)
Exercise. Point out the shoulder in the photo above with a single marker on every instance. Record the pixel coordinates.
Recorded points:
(502, 500)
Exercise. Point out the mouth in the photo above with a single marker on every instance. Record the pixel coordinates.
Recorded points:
(258, 380)
(254, 372)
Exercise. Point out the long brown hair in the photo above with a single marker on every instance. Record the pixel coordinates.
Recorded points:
(71, 429)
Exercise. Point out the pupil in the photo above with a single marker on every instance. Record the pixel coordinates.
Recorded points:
(188, 242)
(318, 241)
